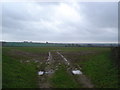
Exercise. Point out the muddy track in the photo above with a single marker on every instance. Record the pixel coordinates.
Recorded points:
(65, 60)
(82, 79)
(51, 66)
(55, 58)
(48, 71)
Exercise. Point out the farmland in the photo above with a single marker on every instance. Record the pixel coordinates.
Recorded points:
(22, 64)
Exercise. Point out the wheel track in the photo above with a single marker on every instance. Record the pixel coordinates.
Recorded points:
(54, 59)
(82, 79)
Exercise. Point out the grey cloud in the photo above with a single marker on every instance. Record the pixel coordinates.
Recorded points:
(102, 14)
(64, 22)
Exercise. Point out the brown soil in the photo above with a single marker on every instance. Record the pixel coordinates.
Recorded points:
(75, 57)
(27, 55)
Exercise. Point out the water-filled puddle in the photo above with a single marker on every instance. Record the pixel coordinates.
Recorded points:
(76, 72)
(45, 72)
(49, 72)
(40, 72)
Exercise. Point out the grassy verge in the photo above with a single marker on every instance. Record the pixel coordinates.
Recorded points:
(101, 70)
(18, 75)
(62, 79)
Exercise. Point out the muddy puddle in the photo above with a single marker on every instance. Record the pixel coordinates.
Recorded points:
(76, 72)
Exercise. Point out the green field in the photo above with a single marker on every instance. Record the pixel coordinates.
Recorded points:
(95, 62)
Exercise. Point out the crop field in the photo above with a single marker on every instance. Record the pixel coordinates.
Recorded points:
(21, 67)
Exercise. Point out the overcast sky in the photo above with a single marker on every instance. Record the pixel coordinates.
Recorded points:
(60, 22)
